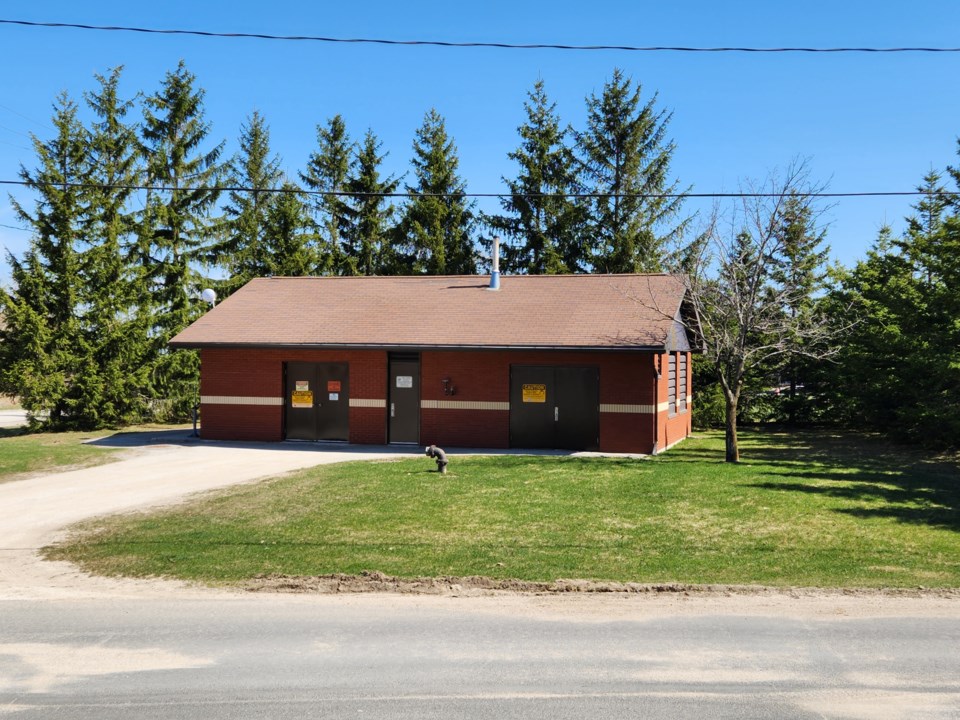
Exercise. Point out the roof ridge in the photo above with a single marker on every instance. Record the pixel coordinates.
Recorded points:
(467, 277)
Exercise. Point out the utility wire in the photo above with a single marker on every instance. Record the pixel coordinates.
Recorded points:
(495, 45)
(345, 193)
(25, 117)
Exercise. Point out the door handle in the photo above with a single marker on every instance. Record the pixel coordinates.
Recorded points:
(393, 410)
(556, 414)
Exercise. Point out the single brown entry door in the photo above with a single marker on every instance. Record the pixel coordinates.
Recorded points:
(404, 398)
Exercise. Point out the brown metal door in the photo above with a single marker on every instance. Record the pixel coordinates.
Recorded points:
(333, 406)
(299, 400)
(532, 403)
(404, 399)
(578, 408)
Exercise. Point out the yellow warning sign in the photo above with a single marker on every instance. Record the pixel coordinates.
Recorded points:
(534, 393)
(302, 398)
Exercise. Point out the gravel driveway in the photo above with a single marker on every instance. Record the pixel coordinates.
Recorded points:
(156, 469)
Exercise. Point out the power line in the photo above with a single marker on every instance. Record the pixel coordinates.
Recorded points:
(493, 45)
(25, 117)
(344, 193)
(18, 132)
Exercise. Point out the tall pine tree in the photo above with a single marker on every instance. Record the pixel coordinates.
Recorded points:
(635, 213)
(175, 228)
(326, 175)
(44, 346)
(116, 316)
(367, 238)
(542, 224)
(801, 267)
(438, 221)
(903, 357)
(289, 248)
(242, 251)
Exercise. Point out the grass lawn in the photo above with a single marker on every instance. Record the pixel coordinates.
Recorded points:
(807, 509)
(24, 453)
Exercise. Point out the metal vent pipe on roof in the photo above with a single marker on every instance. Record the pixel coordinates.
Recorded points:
(495, 271)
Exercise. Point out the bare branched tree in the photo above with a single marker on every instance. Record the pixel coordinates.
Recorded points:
(744, 300)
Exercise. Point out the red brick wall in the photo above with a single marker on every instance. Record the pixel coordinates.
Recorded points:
(625, 379)
(259, 373)
(242, 422)
(672, 429)
(465, 428)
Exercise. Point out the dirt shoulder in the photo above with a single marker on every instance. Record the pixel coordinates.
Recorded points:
(375, 582)
(605, 602)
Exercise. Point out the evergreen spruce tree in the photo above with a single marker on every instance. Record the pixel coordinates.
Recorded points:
(327, 173)
(242, 250)
(175, 228)
(289, 249)
(801, 269)
(542, 225)
(625, 156)
(367, 237)
(438, 220)
(43, 341)
(899, 367)
(116, 316)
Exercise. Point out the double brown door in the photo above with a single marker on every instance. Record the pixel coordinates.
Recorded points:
(554, 407)
(317, 401)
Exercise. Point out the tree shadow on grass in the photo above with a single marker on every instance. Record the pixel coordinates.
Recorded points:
(886, 480)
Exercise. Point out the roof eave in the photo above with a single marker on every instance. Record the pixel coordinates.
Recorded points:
(410, 346)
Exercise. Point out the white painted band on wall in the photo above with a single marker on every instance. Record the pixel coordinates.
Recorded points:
(476, 405)
(426, 404)
(463, 405)
(629, 409)
(634, 409)
(361, 402)
(239, 400)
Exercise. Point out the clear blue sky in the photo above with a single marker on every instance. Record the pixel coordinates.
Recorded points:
(867, 122)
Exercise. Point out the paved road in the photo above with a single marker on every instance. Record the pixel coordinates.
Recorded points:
(12, 418)
(296, 657)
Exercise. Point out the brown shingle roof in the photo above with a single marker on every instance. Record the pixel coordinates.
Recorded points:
(555, 311)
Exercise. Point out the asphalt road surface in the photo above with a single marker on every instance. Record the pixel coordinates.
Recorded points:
(77, 647)
(12, 418)
(399, 657)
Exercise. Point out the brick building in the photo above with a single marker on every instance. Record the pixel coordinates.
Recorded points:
(564, 361)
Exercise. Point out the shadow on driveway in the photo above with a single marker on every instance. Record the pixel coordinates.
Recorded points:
(185, 438)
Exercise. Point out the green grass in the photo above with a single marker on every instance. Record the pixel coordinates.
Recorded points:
(23, 453)
(807, 509)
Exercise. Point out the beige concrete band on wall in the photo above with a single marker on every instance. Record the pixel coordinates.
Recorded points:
(462, 405)
(367, 403)
(237, 400)
(430, 404)
(631, 409)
